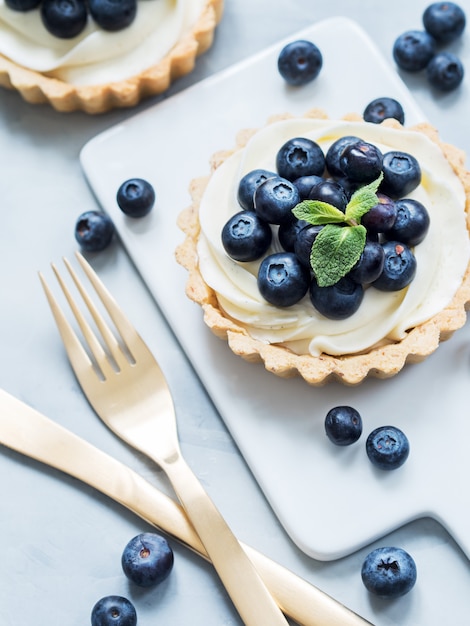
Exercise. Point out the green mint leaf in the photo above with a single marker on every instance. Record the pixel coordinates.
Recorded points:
(362, 201)
(335, 251)
(318, 213)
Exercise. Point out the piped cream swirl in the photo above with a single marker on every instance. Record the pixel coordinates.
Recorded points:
(442, 258)
(96, 56)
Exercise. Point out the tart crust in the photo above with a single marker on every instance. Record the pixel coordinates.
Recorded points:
(38, 88)
(380, 362)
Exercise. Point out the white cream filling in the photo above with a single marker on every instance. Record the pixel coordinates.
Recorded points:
(442, 257)
(97, 56)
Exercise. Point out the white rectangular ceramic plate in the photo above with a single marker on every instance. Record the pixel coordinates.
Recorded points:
(330, 500)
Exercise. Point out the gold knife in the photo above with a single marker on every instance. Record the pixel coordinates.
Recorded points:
(27, 431)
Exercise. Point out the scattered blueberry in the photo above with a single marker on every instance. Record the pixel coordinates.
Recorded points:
(135, 197)
(411, 224)
(147, 559)
(445, 21)
(300, 157)
(274, 200)
(299, 62)
(370, 264)
(389, 572)
(387, 447)
(343, 425)
(339, 301)
(384, 108)
(248, 185)
(361, 161)
(282, 279)
(399, 267)
(64, 18)
(402, 174)
(94, 231)
(112, 15)
(246, 237)
(445, 71)
(22, 5)
(413, 50)
(334, 152)
(113, 611)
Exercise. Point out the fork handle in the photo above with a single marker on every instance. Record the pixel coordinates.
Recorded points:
(244, 585)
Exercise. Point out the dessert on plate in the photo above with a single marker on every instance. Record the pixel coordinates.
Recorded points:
(417, 298)
(101, 68)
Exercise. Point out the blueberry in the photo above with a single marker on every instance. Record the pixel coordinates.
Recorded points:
(136, 197)
(64, 18)
(113, 611)
(371, 236)
(384, 108)
(381, 217)
(282, 279)
(349, 186)
(304, 185)
(389, 572)
(300, 157)
(274, 200)
(361, 162)
(113, 15)
(413, 50)
(339, 301)
(304, 242)
(22, 5)
(411, 224)
(246, 237)
(331, 192)
(402, 174)
(445, 21)
(370, 264)
(343, 425)
(94, 231)
(387, 447)
(248, 185)
(445, 71)
(299, 62)
(399, 267)
(287, 233)
(147, 559)
(334, 152)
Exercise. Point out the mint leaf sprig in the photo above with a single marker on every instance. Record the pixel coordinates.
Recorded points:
(339, 245)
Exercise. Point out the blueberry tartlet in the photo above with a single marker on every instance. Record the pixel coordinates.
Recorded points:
(95, 55)
(331, 249)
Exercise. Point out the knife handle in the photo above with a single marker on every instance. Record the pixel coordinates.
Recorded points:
(30, 433)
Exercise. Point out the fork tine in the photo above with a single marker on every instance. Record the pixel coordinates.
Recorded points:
(80, 360)
(95, 347)
(108, 337)
(78, 356)
(129, 335)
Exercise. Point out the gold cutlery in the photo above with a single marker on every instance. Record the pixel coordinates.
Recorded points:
(126, 387)
(30, 433)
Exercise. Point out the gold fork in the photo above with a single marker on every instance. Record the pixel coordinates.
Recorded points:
(126, 387)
